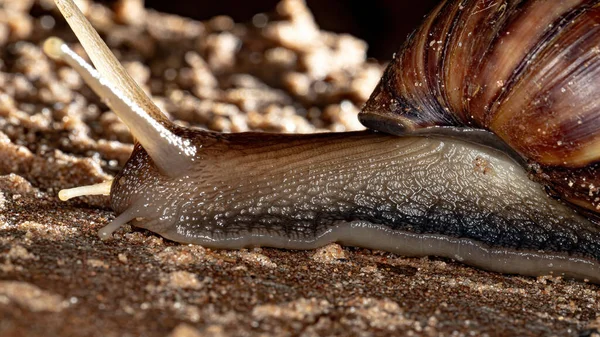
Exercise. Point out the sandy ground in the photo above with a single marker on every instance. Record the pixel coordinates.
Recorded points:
(277, 73)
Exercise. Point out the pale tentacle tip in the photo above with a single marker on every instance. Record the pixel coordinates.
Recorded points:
(53, 47)
(102, 188)
(106, 232)
(64, 195)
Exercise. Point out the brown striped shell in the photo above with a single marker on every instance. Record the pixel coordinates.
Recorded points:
(526, 70)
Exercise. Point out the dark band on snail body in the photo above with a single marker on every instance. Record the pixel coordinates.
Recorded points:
(414, 196)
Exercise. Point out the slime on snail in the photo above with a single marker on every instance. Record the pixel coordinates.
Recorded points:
(445, 169)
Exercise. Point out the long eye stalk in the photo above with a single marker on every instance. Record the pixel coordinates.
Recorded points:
(170, 152)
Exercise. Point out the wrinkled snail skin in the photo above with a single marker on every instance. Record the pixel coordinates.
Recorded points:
(444, 194)
(526, 70)
(410, 195)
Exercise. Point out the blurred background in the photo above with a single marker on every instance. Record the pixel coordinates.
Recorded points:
(384, 24)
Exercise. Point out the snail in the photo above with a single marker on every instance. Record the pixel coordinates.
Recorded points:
(459, 123)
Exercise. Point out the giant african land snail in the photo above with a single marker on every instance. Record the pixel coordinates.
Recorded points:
(526, 70)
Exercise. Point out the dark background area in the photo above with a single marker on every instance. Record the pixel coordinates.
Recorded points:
(384, 24)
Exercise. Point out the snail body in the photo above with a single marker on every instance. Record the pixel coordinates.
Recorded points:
(450, 198)
(460, 193)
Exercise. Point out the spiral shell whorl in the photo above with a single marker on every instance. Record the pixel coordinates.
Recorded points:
(527, 70)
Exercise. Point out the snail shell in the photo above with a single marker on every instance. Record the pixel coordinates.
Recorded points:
(528, 71)
(467, 198)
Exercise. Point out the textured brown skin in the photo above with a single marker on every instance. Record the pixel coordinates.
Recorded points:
(526, 70)
(292, 190)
